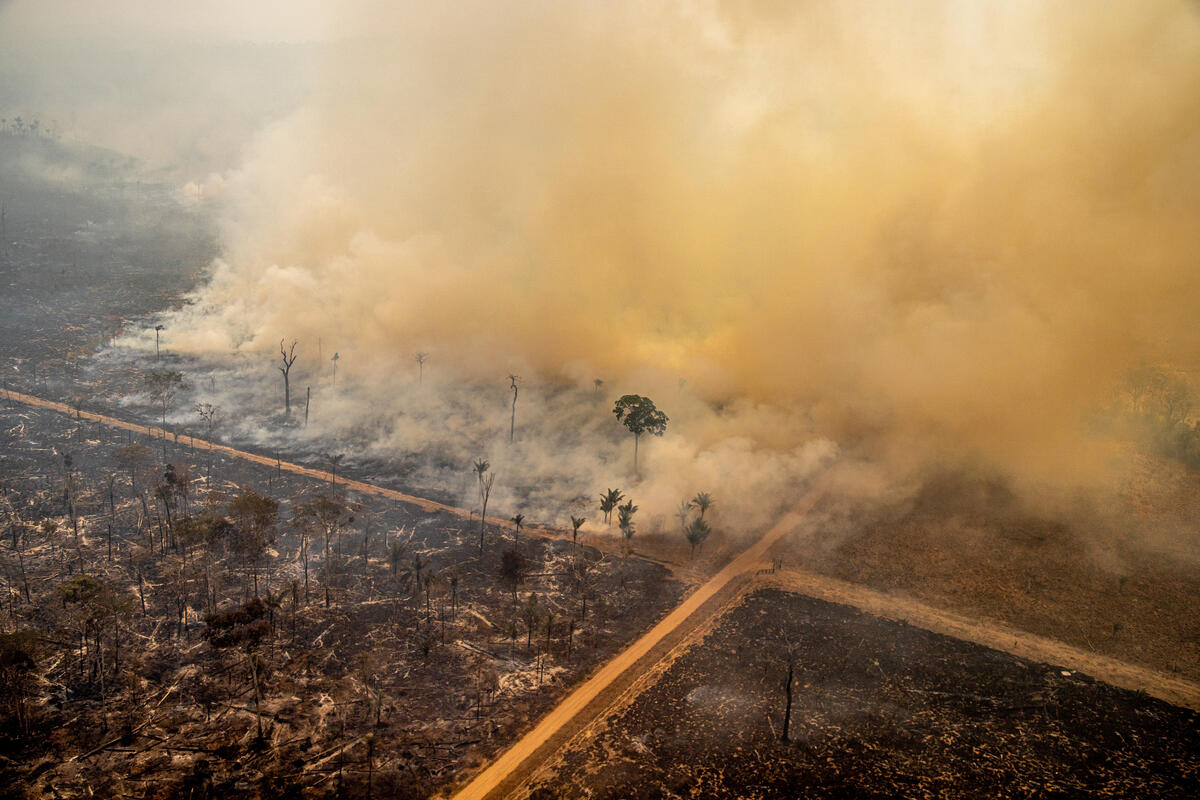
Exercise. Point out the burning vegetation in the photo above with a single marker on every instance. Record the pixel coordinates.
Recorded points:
(315, 465)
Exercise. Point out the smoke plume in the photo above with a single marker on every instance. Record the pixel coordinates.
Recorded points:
(941, 230)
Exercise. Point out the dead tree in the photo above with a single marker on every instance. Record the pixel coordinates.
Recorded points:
(163, 386)
(512, 427)
(287, 357)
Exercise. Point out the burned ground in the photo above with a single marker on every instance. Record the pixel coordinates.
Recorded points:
(86, 246)
(1101, 582)
(441, 668)
(881, 709)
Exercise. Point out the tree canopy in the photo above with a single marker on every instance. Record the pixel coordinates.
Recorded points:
(640, 415)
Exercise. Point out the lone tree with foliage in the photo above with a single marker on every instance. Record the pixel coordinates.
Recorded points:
(640, 416)
(517, 520)
(421, 358)
(287, 357)
(703, 501)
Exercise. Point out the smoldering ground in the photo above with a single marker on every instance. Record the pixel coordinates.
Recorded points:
(931, 232)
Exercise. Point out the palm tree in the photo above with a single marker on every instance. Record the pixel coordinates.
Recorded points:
(625, 521)
(696, 533)
(702, 501)
(518, 520)
(608, 502)
(576, 524)
(485, 490)
(411, 576)
(683, 512)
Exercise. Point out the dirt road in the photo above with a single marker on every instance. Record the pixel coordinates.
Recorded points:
(989, 634)
(506, 770)
(156, 432)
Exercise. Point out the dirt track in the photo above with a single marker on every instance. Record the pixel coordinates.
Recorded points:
(507, 771)
(990, 634)
(155, 432)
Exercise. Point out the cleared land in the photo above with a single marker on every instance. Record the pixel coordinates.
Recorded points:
(880, 709)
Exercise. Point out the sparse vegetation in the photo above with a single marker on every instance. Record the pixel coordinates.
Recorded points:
(198, 559)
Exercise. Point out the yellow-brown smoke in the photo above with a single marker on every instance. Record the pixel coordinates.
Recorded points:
(955, 225)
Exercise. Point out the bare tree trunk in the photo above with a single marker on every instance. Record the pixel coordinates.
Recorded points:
(254, 677)
(787, 712)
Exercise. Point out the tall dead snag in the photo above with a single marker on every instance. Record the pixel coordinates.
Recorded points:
(512, 427)
(287, 357)
(421, 358)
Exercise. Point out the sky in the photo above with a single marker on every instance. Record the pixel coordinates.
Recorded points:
(261, 21)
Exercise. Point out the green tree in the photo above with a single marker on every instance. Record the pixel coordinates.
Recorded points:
(696, 532)
(625, 521)
(640, 416)
(608, 503)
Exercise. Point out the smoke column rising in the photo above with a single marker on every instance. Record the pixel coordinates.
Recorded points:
(947, 229)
